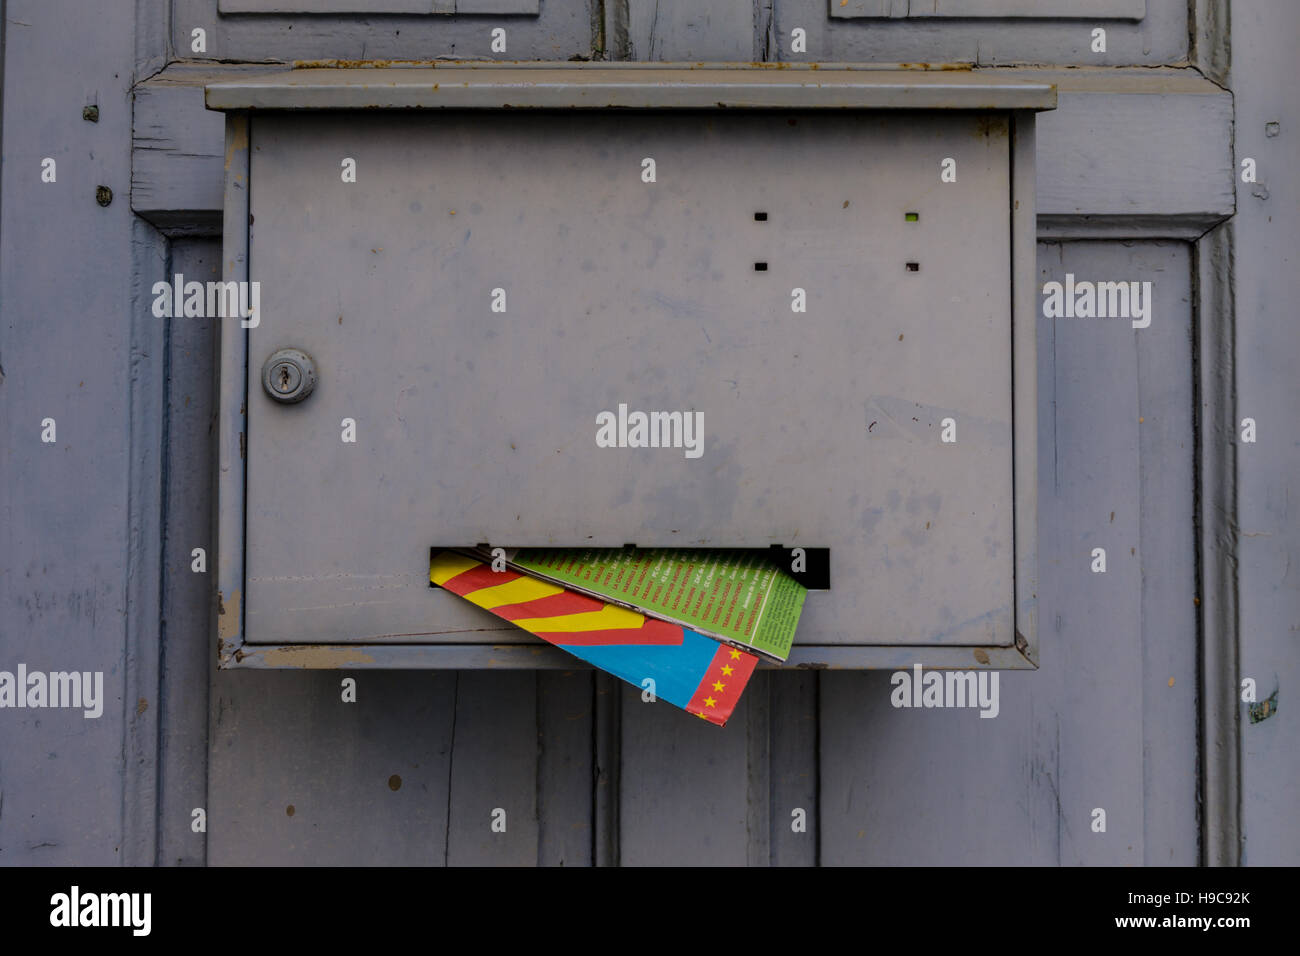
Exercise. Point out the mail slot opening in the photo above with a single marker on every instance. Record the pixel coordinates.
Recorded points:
(810, 567)
(631, 595)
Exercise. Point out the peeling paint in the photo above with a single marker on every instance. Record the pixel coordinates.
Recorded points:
(238, 141)
(228, 617)
(1265, 709)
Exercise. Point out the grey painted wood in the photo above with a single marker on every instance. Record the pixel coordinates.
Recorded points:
(1159, 38)
(607, 760)
(1267, 547)
(917, 787)
(684, 787)
(793, 772)
(561, 30)
(565, 768)
(758, 752)
(73, 577)
(1090, 396)
(326, 6)
(1110, 155)
(1169, 587)
(498, 6)
(1222, 709)
(689, 30)
(494, 768)
(297, 776)
(178, 159)
(186, 652)
(1042, 9)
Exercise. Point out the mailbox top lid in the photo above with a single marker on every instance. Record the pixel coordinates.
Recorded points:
(543, 85)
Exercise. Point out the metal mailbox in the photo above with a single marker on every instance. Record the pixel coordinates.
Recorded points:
(828, 272)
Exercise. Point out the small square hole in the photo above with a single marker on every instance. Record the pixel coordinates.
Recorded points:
(914, 267)
(912, 216)
(760, 266)
(760, 217)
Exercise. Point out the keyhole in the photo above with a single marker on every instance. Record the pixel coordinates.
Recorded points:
(284, 378)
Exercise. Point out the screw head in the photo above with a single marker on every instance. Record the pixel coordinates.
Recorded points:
(288, 375)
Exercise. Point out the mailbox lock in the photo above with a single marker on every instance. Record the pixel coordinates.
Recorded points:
(289, 375)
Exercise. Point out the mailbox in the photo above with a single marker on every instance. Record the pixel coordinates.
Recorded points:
(813, 285)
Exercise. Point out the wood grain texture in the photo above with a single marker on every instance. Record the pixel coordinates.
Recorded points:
(186, 655)
(1161, 37)
(296, 775)
(555, 31)
(1267, 544)
(79, 557)
(494, 768)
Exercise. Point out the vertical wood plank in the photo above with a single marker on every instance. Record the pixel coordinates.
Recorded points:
(609, 752)
(684, 786)
(1095, 500)
(367, 781)
(794, 771)
(758, 797)
(565, 767)
(187, 649)
(494, 768)
(1168, 568)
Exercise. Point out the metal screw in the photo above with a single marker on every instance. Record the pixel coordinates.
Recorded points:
(289, 375)
(90, 114)
(103, 195)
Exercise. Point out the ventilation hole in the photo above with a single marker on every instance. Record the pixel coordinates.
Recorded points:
(914, 267)
(760, 266)
(760, 217)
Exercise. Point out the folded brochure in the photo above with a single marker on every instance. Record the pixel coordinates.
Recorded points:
(692, 671)
(738, 597)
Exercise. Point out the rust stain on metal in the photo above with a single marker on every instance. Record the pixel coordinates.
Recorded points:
(981, 655)
(228, 617)
(325, 656)
(356, 64)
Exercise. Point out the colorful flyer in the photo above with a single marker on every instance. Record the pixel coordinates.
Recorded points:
(739, 597)
(694, 672)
